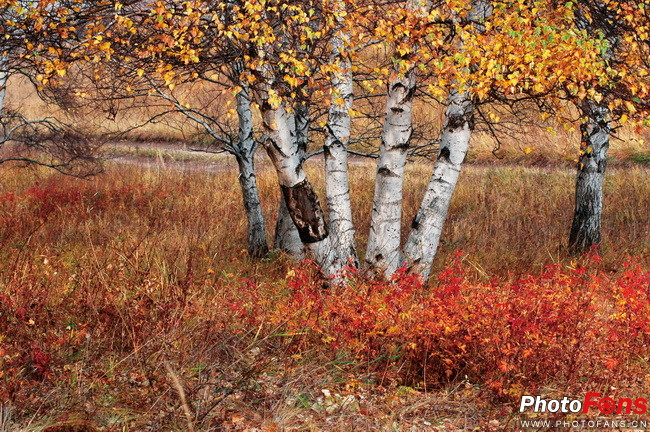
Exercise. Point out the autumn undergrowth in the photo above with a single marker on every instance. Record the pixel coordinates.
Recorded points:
(115, 290)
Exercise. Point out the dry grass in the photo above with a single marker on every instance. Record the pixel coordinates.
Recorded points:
(503, 217)
(516, 219)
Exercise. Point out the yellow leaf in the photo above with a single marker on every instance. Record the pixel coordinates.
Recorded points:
(630, 107)
(624, 118)
(293, 81)
(140, 72)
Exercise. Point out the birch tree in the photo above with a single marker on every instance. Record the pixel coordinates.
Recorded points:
(383, 251)
(337, 139)
(4, 74)
(426, 229)
(612, 22)
(302, 202)
(384, 240)
(287, 237)
(247, 144)
(595, 133)
(145, 58)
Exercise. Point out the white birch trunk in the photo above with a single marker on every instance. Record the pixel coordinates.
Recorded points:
(586, 226)
(246, 146)
(336, 155)
(426, 228)
(301, 200)
(383, 251)
(423, 241)
(585, 229)
(287, 237)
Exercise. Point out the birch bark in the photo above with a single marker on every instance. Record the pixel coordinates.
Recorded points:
(423, 241)
(336, 154)
(246, 146)
(383, 251)
(585, 229)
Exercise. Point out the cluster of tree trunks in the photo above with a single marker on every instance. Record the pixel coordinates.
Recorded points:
(301, 228)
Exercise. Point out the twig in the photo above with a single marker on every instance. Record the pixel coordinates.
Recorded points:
(181, 395)
(205, 150)
(368, 155)
(5, 416)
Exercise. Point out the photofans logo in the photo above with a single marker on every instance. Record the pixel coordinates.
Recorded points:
(592, 403)
(565, 405)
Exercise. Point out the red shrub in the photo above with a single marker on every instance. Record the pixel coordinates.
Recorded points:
(567, 326)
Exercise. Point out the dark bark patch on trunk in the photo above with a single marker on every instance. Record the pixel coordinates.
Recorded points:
(383, 171)
(326, 151)
(458, 121)
(445, 153)
(416, 223)
(455, 121)
(265, 106)
(410, 93)
(306, 212)
(403, 146)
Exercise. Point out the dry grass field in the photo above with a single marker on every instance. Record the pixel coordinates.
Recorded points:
(128, 303)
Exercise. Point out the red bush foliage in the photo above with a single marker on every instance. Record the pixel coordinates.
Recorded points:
(567, 326)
